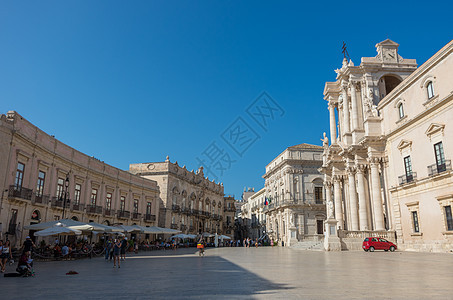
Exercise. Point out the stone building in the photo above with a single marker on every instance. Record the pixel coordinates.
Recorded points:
(294, 189)
(254, 209)
(387, 169)
(43, 179)
(190, 202)
(229, 216)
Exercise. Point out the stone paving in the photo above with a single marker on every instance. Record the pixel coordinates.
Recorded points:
(240, 273)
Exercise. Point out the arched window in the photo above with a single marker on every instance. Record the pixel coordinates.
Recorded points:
(430, 89)
(401, 110)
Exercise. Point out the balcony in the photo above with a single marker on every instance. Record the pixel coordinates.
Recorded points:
(57, 202)
(77, 207)
(94, 209)
(108, 212)
(123, 214)
(19, 193)
(149, 218)
(174, 226)
(196, 212)
(136, 215)
(183, 227)
(216, 217)
(439, 168)
(403, 179)
(41, 199)
(205, 214)
(175, 208)
(185, 210)
(229, 209)
(191, 228)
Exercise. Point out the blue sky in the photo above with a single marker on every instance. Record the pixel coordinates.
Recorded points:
(135, 81)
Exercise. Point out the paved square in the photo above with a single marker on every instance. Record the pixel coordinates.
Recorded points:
(232, 273)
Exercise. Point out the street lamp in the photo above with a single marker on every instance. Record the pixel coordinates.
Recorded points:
(66, 185)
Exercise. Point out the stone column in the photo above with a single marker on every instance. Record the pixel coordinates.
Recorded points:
(363, 217)
(333, 124)
(329, 204)
(338, 202)
(346, 120)
(353, 200)
(355, 113)
(376, 194)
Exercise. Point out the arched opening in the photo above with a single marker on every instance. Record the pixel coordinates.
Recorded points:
(75, 218)
(387, 83)
(106, 222)
(35, 217)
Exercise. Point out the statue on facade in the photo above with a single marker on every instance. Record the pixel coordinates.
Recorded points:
(330, 209)
(325, 141)
(370, 108)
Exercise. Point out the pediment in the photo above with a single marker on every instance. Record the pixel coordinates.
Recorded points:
(434, 128)
(404, 144)
(388, 42)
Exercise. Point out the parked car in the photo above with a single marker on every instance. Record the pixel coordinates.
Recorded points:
(376, 243)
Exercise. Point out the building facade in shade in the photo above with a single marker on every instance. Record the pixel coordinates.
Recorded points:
(229, 211)
(253, 210)
(38, 171)
(190, 202)
(387, 169)
(294, 187)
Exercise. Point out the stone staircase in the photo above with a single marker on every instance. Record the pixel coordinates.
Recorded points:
(309, 245)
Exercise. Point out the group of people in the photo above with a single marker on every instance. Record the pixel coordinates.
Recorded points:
(25, 263)
(5, 254)
(115, 248)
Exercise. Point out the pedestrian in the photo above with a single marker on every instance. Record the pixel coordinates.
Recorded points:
(108, 247)
(116, 252)
(6, 253)
(123, 248)
(28, 245)
(256, 243)
(272, 242)
(200, 245)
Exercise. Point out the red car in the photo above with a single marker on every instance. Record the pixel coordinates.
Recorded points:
(375, 243)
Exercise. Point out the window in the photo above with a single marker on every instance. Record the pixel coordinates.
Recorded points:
(122, 203)
(440, 157)
(78, 190)
(60, 188)
(408, 168)
(94, 196)
(135, 206)
(448, 217)
(148, 208)
(430, 89)
(401, 110)
(318, 194)
(19, 176)
(40, 185)
(108, 201)
(415, 221)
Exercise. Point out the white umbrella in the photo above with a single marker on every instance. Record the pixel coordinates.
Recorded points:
(224, 237)
(61, 223)
(58, 230)
(132, 229)
(105, 228)
(207, 235)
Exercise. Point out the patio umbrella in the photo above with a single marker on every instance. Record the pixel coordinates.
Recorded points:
(130, 229)
(207, 235)
(61, 223)
(105, 228)
(225, 237)
(58, 230)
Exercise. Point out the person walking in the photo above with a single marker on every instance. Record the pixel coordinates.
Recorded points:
(6, 253)
(123, 248)
(200, 245)
(116, 252)
(1, 250)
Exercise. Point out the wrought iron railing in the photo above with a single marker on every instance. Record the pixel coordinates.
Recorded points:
(150, 217)
(19, 192)
(94, 209)
(407, 178)
(123, 214)
(439, 168)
